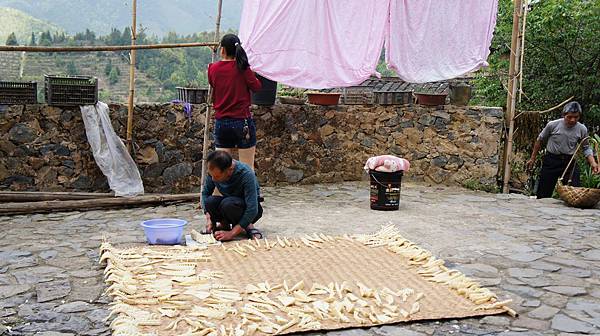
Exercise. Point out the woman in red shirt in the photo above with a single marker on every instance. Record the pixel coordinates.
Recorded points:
(231, 80)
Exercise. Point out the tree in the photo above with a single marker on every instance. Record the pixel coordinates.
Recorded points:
(12, 40)
(562, 57)
(108, 67)
(32, 41)
(46, 39)
(90, 35)
(71, 69)
(114, 38)
(113, 77)
(126, 37)
(59, 38)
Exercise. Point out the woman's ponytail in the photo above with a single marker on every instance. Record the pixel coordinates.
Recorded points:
(233, 48)
(241, 59)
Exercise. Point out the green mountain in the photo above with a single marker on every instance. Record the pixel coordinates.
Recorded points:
(158, 16)
(22, 25)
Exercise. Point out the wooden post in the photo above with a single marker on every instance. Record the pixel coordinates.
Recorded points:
(511, 97)
(209, 100)
(131, 78)
(87, 204)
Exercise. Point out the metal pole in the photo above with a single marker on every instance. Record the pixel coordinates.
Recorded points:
(131, 78)
(511, 97)
(209, 105)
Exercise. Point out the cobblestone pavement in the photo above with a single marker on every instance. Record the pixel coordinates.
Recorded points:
(542, 254)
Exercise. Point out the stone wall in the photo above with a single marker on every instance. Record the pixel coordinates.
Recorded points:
(45, 148)
(445, 144)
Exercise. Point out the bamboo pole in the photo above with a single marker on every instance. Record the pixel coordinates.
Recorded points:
(208, 113)
(108, 48)
(515, 49)
(33, 196)
(524, 27)
(131, 77)
(89, 204)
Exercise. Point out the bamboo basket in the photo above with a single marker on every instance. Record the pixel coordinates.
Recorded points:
(579, 197)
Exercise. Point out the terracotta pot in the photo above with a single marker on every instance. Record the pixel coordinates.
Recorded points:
(431, 99)
(291, 100)
(324, 98)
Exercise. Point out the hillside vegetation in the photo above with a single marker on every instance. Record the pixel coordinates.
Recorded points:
(22, 24)
(159, 16)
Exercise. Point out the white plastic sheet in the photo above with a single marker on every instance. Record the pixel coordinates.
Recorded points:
(110, 153)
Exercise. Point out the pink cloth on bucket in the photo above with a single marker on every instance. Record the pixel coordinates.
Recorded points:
(335, 43)
(432, 40)
(387, 163)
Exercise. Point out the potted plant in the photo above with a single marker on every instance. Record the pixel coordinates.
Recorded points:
(291, 96)
(588, 178)
(431, 99)
(323, 98)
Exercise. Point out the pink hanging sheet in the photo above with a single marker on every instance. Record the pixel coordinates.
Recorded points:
(314, 43)
(336, 43)
(432, 40)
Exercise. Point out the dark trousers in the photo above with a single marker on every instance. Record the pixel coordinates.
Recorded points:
(228, 211)
(552, 168)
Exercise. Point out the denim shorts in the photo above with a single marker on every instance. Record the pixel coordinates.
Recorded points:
(229, 133)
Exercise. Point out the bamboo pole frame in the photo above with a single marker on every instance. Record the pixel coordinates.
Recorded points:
(108, 48)
(131, 77)
(511, 97)
(209, 105)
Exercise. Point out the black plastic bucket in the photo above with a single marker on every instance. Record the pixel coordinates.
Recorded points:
(385, 190)
(268, 93)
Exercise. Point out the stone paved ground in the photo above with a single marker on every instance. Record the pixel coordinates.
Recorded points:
(540, 253)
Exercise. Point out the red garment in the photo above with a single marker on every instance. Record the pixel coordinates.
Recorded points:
(231, 89)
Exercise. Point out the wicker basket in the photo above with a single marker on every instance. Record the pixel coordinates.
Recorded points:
(579, 197)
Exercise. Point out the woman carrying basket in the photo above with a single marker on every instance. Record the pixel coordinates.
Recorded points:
(562, 136)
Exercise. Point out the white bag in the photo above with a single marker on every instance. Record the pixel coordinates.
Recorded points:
(110, 153)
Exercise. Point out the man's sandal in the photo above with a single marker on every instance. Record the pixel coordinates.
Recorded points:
(251, 233)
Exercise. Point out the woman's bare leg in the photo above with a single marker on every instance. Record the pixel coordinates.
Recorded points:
(247, 156)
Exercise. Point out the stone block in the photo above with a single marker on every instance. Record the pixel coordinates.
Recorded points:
(21, 133)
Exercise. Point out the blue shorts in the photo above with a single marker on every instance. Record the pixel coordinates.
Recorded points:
(229, 133)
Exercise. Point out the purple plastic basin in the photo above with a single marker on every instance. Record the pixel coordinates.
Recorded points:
(164, 231)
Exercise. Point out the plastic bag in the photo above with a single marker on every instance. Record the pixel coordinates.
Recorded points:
(110, 153)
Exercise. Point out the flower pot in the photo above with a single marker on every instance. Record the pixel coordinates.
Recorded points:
(291, 100)
(322, 98)
(267, 94)
(431, 99)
